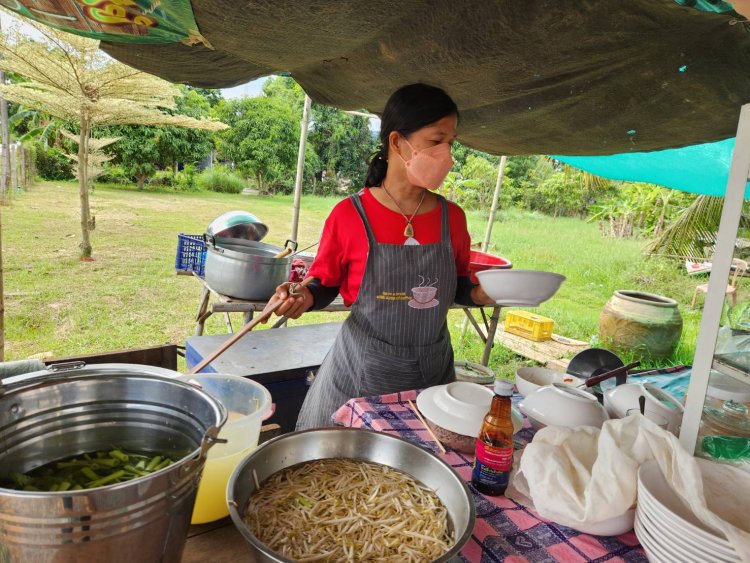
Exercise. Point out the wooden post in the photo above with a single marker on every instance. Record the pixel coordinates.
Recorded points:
(4, 176)
(30, 166)
(22, 162)
(83, 187)
(13, 166)
(300, 165)
(5, 140)
(495, 199)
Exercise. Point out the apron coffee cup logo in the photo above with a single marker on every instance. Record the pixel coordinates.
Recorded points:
(424, 294)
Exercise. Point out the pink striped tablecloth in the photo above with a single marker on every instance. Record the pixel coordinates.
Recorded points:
(505, 530)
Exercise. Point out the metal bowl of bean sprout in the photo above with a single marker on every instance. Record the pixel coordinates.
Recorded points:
(345, 494)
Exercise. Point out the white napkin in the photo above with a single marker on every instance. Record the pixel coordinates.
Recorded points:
(582, 476)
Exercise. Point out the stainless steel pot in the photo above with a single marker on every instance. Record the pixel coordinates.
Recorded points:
(299, 447)
(245, 269)
(62, 412)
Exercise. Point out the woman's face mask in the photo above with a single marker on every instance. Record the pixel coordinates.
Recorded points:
(428, 167)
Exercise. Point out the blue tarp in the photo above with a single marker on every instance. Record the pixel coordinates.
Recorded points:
(701, 169)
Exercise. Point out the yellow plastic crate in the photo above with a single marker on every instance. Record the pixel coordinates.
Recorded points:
(531, 326)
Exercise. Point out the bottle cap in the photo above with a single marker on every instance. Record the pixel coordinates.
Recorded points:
(503, 387)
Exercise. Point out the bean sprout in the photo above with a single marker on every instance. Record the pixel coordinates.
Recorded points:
(348, 510)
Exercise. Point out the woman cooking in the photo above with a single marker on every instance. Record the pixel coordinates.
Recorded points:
(399, 255)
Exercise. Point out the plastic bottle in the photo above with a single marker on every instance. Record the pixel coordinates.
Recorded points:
(494, 450)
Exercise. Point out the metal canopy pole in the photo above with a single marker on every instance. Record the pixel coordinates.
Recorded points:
(717, 283)
(300, 165)
(495, 199)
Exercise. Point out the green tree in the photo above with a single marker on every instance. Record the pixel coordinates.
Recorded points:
(211, 95)
(461, 154)
(263, 138)
(343, 143)
(483, 173)
(287, 90)
(137, 151)
(181, 144)
(68, 77)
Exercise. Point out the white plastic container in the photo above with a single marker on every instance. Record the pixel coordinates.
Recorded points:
(247, 403)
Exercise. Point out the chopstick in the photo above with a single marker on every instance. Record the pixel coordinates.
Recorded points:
(419, 416)
(270, 307)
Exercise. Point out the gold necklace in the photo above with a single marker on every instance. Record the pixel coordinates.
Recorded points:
(409, 230)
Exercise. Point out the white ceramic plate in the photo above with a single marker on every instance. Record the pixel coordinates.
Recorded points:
(658, 533)
(681, 529)
(654, 551)
(668, 531)
(519, 288)
(460, 407)
(653, 485)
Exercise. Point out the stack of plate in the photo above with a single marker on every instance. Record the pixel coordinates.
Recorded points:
(668, 529)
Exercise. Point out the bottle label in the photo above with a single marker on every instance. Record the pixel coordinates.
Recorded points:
(492, 466)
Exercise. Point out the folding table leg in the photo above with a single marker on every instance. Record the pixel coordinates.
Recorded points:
(201, 315)
(494, 318)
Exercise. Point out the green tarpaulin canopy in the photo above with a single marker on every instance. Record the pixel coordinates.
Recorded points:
(536, 77)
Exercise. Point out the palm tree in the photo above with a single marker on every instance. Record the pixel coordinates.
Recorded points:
(693, 232)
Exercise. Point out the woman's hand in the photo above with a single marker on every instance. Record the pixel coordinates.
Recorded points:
(293, 305)
(480, 297)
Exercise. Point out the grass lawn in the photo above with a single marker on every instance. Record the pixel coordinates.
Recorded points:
(130, 297)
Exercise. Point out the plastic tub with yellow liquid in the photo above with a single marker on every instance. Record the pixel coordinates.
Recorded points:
(248, 403)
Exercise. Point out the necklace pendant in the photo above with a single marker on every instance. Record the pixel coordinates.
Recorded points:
(409, 230)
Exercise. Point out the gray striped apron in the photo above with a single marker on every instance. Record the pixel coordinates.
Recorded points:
(396, 337)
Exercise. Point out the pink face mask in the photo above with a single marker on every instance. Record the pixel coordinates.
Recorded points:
(428, 167)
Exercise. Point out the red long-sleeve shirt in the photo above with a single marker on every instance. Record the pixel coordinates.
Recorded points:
(342, 254)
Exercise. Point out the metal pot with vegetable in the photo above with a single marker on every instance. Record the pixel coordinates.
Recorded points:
(101, 463)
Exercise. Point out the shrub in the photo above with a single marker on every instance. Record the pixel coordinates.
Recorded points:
(52, 164)
(162, 178)
(221, 179)
(114, 175)
(187, 178)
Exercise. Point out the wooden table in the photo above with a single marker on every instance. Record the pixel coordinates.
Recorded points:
(212, 301)
(217, 542)
(553, 354)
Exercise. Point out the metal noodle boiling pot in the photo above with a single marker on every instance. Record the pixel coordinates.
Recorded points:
(74, 409)
(245, 269)
(350, 443)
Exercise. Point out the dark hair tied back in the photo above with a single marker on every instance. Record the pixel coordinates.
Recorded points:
(409, 109)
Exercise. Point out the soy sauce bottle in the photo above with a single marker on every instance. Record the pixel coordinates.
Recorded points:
(494, 450)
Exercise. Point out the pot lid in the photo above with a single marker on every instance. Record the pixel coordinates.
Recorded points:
(732, 418)
(727, 388)
(239, 225)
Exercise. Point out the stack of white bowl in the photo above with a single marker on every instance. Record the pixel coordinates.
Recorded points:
(668, 529)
